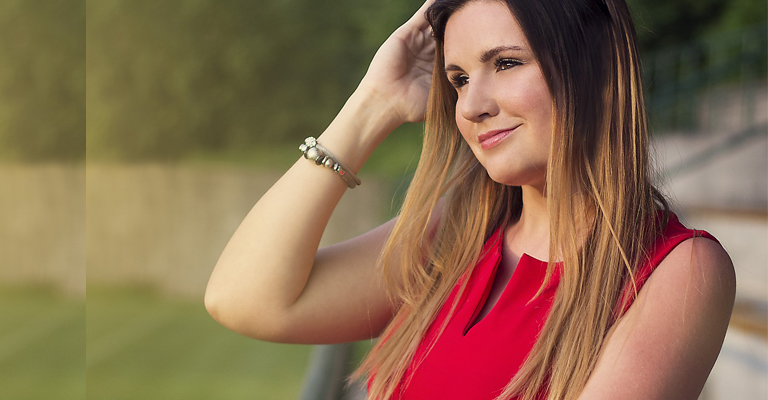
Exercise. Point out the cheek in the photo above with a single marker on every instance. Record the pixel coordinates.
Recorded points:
(461, 123)
(532, 100)
(546, 122)
(535, 103)
(543, 102)
(540, 98)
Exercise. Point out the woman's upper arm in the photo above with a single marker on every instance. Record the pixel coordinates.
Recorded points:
(344, 299)
(666, 344)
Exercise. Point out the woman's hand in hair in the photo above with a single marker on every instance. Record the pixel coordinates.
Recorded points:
(401, 71)
(272, 282)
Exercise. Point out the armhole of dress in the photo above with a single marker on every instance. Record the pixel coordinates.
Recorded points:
(659, 252)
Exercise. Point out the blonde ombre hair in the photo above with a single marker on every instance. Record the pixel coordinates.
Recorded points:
(603, 207)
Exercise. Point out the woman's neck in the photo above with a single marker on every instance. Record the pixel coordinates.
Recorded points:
(530, 234)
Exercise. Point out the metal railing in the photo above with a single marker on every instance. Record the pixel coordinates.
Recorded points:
(688, 86)
(327, 372)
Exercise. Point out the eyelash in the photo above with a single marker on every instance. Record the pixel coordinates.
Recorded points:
(458, 80)
(501, 64)
(502, 61)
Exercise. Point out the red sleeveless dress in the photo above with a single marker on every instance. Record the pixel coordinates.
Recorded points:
(475, 362)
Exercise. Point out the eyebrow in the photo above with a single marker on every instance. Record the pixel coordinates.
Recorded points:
(486, 56)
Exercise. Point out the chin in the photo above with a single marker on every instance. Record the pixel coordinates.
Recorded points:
(503, 177)
(513, 177)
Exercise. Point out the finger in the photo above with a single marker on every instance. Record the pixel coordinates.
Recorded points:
(428, 32)
(419, 20)
(428, 37)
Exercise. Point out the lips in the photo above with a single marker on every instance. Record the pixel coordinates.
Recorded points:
(492, 138)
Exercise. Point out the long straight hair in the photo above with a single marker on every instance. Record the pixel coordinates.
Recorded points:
(603, 207)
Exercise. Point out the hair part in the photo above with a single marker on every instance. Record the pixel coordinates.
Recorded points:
(603, 207)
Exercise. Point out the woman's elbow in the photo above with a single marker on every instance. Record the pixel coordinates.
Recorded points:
(239, 318)
(211, 303)
(221, 309)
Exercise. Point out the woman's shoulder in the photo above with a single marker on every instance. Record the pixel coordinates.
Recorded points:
(675, 328)
(675, 239)
(702, 261)
(673, 233)
(696, 274)
(692, 250)
(680, 257)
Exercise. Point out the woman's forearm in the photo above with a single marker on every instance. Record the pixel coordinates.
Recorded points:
(267, 262)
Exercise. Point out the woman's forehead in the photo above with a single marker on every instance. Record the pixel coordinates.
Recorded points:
(481, 28)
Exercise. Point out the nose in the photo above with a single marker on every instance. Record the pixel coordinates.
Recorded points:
(478, 102)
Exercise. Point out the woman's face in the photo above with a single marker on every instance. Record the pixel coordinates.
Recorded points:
(504, 108)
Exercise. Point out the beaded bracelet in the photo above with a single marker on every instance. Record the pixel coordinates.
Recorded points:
(321, 156)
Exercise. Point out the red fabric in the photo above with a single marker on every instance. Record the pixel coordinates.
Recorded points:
(476, 363)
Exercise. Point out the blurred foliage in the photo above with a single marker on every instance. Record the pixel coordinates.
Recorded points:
(234, 80)
(664, 23)
(168, 79)
(726, 71)
(42, 80)
(692, 48)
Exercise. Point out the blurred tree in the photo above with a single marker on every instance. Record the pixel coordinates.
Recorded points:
(179, 77)
(169, 78)
(665, 23)
(42, 80)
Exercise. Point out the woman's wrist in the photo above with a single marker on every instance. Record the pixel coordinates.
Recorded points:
(379, 106)
(361, 125)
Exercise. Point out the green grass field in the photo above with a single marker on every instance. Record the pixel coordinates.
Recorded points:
(143, 346)
(134, 344)
(42, 345)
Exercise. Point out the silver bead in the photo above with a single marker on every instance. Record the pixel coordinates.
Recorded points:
(337, 168)
(312, 153)
(303, 147)
(328, 163)
(310, 141)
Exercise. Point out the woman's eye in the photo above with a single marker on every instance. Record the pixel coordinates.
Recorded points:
(506, 63)
(459, 80)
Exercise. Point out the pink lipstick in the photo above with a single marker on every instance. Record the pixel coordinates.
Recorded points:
(492, 138)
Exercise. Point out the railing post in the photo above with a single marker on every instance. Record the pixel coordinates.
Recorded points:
(326, 372)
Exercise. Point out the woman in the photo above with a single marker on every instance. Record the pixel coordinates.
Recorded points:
(535, 148)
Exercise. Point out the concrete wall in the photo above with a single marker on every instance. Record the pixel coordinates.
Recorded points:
(718, 181)
(42, 233)
(167, 225)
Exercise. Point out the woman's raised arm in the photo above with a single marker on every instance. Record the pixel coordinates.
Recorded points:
(271, 282)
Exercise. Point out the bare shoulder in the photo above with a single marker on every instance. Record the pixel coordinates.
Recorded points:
(694, 287)
(664, 347)
(700, 261)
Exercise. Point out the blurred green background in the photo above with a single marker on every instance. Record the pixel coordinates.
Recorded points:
(244, 81)
(186, 111)
(198, 79)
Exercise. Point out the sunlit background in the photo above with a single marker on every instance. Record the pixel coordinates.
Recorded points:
(193, 108)
(42, 199)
